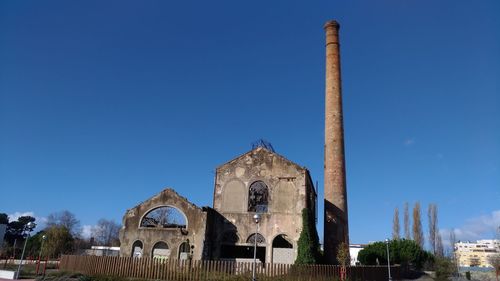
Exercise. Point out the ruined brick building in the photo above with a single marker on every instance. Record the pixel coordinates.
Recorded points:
(168, 225)
(259, 181)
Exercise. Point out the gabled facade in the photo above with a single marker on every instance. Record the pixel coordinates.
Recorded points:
(259, 181)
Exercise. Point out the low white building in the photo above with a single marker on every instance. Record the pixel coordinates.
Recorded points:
(476, 254)
(354, 250)
(102, 251)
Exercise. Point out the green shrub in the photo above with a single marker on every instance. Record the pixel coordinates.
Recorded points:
(308, 245)
(467, 275)
(402, 251)
(443, 268)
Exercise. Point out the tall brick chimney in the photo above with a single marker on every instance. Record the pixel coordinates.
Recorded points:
(336, 221)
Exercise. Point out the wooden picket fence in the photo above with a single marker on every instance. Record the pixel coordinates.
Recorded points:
(207, 270)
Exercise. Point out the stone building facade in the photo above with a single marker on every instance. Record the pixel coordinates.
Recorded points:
(259, 181)
(164, 226)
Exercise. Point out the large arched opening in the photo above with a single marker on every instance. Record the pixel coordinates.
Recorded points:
(164, 217)
(160, 251)
(282, 250)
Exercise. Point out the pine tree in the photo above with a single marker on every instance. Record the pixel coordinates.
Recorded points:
(418, 234)
(395, 224)
(308, 244)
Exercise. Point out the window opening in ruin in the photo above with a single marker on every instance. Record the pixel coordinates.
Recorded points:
(160, 251)
(258, 236)
(282, 250)
(281, 242)
(184, 250)
(164, 217)
(258, 197)
(137, 249)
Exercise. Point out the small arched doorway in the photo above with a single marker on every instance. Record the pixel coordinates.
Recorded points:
(137, 249)
(282, 250)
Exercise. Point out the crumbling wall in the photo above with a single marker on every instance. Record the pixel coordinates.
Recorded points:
(194, 232)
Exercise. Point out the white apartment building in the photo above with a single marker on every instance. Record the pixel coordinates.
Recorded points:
(476, 254)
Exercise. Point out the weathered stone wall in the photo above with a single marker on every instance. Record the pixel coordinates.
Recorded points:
(290, 191)
(195, 231)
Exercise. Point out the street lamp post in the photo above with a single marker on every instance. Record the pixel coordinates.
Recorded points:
(41, 247)
(40, 254)
(28, 228)
(388, 259)
(256, 219)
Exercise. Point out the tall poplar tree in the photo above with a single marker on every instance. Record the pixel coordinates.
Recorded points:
(432, 217)
(407, 222)
(418, 234)
(453, 240)
(395, 224)
(439, 245)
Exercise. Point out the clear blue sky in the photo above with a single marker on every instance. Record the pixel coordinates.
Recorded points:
(105, 103)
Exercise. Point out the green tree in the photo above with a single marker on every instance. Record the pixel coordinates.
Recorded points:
(4, 218)
(308, 244)
(34, 244)
(343, 256)
(443, 267)
(15, 229)
(59, 241)
(402, 251)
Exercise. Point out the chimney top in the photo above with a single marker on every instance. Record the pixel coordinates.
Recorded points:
(331, 23)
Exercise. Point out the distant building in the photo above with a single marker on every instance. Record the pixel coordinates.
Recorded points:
(476, 254)
(102, 251)
(354, 250)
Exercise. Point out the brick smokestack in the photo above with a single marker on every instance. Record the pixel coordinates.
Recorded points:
(336, 220)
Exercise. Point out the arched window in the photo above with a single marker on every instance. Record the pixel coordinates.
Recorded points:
(258, 236)
(258, 197)
(164, 217)
(184, 250)
(160, 251)
(137, 249)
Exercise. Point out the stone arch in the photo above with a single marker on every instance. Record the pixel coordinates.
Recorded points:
(160, 250)
(137, 249)
(164, 216)
(258, 197)
(234, 196)
(258, 236)
(282, 249)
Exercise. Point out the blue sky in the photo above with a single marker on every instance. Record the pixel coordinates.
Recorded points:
(104, 104)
